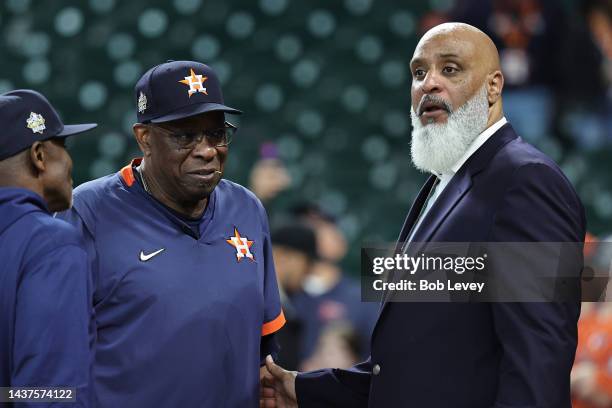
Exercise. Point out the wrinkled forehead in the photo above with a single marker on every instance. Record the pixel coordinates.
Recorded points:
(444, 44)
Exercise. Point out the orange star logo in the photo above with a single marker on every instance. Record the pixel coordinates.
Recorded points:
(195, 82)
(242, 245)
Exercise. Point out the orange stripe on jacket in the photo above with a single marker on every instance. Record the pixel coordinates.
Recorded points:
(274, 325)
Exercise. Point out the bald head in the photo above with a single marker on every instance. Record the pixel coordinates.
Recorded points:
(465, 35)
(453, 61)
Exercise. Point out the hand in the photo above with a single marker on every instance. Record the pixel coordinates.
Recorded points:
(277, 387)
(268, 178)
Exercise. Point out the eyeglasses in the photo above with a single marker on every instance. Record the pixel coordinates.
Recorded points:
(188, 139)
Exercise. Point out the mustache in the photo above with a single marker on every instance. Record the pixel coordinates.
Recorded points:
(435, 100)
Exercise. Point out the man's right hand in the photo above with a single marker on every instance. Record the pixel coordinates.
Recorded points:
(278, 387)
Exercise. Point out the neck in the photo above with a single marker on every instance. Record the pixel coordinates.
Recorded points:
(495, 114)
(10, 176)
(188, 208)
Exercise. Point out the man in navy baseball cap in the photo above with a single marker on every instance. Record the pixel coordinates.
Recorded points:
(45, 305)
(178, 89)
(179, 105)
(26, 117)
(186, 293)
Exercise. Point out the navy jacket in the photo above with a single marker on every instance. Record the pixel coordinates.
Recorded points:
(44, 304)
(473, 355)
(180, 310)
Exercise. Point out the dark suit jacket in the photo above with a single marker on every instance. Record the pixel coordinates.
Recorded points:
(473, 355)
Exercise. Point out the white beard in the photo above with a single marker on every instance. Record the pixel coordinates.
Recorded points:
(436, 147)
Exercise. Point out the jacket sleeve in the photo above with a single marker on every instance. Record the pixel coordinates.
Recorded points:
(273, 316)
(335, 388)
(51, 345)
(538, 339)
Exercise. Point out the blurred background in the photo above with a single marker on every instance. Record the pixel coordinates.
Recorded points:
(324, 141)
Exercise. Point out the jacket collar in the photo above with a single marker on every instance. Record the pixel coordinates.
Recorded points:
(452, 194)
(456, 188)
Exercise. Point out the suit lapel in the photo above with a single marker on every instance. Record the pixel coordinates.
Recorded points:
(414, 212)
(452, 194)
(410, 221)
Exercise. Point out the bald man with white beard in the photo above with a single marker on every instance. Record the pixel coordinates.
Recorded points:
(486, 185)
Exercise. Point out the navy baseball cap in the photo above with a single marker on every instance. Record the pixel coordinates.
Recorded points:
(26, 116)
(178, 89)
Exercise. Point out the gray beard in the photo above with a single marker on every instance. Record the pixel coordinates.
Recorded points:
(436, 147)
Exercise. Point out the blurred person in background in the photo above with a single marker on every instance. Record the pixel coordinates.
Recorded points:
(545, 96)
(295, 250)
(592, 371)
(269, 176)
(185, 296)
(329, 294)
(598, 14)
(45, 293)
(596, 272)
(583, 102)
(527, 34)
(339, 345)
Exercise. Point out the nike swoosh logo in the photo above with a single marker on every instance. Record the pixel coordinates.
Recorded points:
(145, 257)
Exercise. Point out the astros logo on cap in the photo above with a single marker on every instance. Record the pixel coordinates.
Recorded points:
(36, 122)
(195, 82)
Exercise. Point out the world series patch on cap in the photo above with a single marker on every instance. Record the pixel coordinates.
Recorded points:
(178, 89)
(26, 116)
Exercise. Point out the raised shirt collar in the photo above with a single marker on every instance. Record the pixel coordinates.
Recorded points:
(479, 141)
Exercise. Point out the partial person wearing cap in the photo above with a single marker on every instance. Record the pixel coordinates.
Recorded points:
(185, 297)
(294, 246)
(45, 309)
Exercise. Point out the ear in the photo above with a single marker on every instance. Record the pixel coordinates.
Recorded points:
(142, 134)
(37, 157)
(495, 84)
